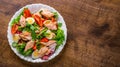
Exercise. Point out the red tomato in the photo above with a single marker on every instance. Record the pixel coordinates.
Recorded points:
(42, 19)
(53, 19)
(14, 28)
(26, 13)
(44, 40)
(34, 47)
(38, 20)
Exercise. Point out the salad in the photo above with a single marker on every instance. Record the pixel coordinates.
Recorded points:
(38, 34)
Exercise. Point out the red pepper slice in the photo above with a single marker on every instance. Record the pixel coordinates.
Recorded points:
(44, 40)
(38, 20)
(26, 13)
(14, 29)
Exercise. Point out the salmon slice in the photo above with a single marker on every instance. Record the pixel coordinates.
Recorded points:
(29, 45)
(50, 42)
(22, 21)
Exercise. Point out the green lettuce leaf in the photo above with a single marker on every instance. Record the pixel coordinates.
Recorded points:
(16, 20)
(60, 37)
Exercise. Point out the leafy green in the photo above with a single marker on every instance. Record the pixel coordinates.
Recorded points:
(54, 31)
(59, 24)
(20, 48)
(39, 36)
(14, 44)
(38, 45)
(44, 30)
(35, 24)
(27, 29)
(60, 37)
(30, 27)
(33, 34)
(22, 45)
(55, 14)
(20, 28)
(28, 52)
(46, 34)
(33, 27)
(42, 33)
(16, 20)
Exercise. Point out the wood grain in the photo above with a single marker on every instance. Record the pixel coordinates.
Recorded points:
(93, 33)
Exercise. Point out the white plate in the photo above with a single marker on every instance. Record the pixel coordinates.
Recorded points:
(33, 8)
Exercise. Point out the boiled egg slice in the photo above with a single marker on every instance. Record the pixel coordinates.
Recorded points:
(35, 54)
(16, 37)
(47, 22)
(30, 20)
(50, 34)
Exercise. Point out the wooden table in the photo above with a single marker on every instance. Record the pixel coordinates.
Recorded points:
(93, 33)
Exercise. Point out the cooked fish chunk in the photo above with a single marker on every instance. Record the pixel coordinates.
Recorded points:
(48, 43)
(43, 51)
(48, 52)
(50, 25)
(29, 45)
(53, 46)
(46, 13)
(51, 49)
(25, 36)
(22, 21)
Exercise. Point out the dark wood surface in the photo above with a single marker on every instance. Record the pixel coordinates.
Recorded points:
(93, 33)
